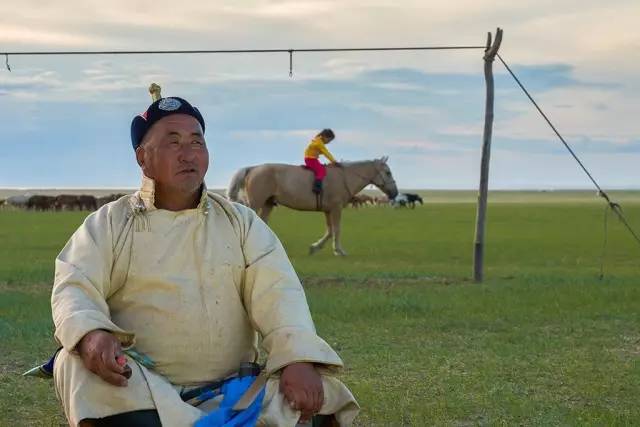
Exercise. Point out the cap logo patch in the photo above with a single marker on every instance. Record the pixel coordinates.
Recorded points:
(169, 104)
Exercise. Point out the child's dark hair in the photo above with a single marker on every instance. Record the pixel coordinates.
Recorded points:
(327, 134)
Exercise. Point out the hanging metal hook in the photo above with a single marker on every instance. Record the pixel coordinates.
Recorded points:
(6, 61)
(290, 62)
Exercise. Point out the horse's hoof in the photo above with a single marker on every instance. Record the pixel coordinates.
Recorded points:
(339, 253)
(313, 249)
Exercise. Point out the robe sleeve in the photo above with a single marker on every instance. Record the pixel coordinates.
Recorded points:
(276, 303)
(327, 154)
(82, 284)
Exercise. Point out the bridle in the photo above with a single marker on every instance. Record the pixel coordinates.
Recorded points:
(368, 180)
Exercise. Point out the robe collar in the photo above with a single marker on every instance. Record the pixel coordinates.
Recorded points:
(146, 197)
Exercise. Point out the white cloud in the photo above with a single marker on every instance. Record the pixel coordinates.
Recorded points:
(30, 78)
(601, 114)
(402, 112)
(19, 35)
(271, 134)
(281, 9)
(471, 129)
(601, 40)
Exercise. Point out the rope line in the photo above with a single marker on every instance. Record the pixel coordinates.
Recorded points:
(615, 207)
(207, 51)
(604, 241)
(232, 51)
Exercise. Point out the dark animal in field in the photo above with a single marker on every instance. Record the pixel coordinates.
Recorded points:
(87, 203)
(41, 203)
(407, 199)
(412, 199)
(101, 201)
(67, 202)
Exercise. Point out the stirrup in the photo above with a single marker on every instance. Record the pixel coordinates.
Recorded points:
(317, 186)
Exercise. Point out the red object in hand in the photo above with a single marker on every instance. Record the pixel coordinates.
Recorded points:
(122, 361)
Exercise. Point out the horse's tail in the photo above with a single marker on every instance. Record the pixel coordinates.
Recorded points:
(237, 184)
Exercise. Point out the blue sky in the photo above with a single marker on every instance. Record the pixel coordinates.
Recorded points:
(65, 120)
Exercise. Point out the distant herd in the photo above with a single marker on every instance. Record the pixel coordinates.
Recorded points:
(400, 201)
(63, 202)
(85, 202)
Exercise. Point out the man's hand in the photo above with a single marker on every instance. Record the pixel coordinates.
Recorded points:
(98, 350)
(302, 387)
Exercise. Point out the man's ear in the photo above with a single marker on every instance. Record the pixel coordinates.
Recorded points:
(140, 156)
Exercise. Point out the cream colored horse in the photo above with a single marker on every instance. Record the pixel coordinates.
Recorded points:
(268, 185)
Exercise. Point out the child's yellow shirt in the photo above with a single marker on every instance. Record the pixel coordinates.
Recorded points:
(317, 147)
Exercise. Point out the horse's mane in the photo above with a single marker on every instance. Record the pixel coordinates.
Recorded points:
(359, 162)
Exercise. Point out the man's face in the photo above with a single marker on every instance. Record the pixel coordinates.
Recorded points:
(174, 153)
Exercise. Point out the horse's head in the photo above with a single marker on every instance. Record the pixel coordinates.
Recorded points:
(384, 179)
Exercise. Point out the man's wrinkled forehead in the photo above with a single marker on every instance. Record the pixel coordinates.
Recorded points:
(177, 123)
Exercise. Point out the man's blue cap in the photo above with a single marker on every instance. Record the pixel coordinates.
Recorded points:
(161, 108)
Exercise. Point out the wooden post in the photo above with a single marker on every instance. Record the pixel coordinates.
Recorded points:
(478, 247)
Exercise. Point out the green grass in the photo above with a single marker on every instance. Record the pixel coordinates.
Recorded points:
(31, 241)
(542, 342)
(501, 353)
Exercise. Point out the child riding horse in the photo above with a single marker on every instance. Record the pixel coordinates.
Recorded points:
(312, 153)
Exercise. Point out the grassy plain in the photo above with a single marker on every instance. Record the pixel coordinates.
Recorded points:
(543, 341)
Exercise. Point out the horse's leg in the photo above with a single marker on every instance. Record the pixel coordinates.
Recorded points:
(265, 211)
(259, 204)
(335, 226)
(320, 243)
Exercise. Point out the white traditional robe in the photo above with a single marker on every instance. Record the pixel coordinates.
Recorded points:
(192, 290)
